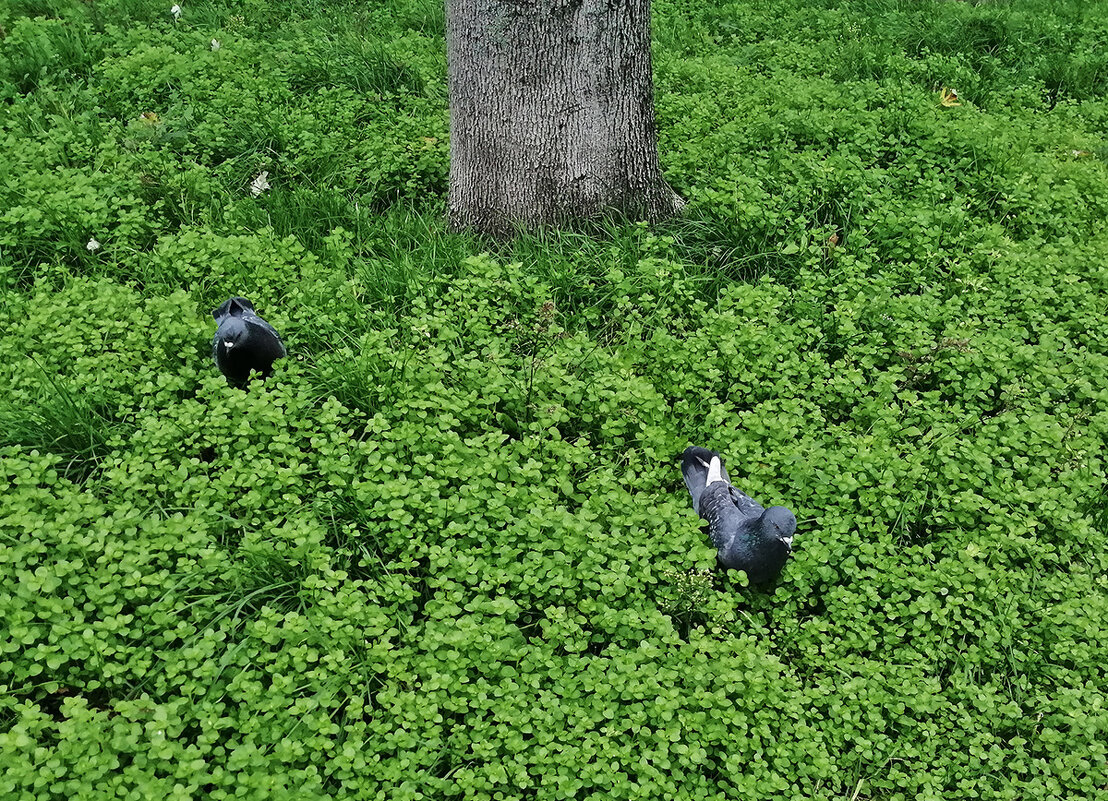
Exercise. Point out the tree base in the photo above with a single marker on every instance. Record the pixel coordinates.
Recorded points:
(552, 114)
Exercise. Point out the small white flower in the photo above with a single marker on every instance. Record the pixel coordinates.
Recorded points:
(176, 12)
(259, 184)
(215, 44)
(92, 246)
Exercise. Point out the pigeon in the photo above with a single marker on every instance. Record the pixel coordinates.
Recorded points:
(243, 342)
(747, 536)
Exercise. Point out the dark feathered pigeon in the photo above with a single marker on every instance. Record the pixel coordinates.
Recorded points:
(243, 342)
(747, 536)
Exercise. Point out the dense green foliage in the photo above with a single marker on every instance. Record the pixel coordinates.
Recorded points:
(445, 551)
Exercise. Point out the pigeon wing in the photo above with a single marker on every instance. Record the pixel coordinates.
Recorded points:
(718, 507)
(255, 320)
(746, 505)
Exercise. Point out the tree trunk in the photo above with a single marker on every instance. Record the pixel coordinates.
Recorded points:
(551, 113)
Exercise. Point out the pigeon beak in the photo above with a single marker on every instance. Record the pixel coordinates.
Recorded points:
(228, 343)
(788, 542)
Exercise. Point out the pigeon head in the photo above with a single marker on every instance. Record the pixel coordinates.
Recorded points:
(232, 332)
(779, 523)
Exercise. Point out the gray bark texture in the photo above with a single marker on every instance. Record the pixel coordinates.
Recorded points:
(551, 113)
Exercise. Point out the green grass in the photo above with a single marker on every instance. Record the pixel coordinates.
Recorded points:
(63, 421)
(349, 60)
(445, 550)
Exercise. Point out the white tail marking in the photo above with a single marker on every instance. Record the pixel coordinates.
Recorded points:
(715, 471)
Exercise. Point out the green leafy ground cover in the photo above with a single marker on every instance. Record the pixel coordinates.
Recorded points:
(445, 551)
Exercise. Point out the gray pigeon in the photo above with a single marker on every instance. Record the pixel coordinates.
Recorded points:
(243, 342)
(747, 536)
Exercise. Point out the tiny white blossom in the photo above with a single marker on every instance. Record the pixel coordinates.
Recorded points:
(176, 12)
(92, 246)
(259, 184)
(215, 44)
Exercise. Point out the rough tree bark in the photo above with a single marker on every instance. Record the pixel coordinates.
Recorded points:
(551, 113)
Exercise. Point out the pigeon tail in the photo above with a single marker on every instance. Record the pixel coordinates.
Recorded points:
(235, 306)
(695, 468)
